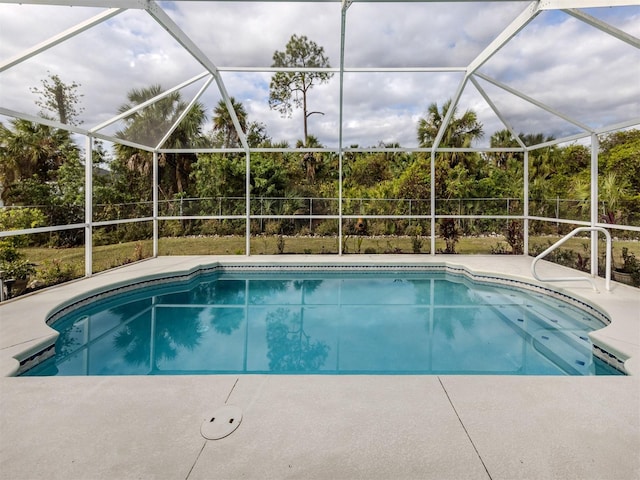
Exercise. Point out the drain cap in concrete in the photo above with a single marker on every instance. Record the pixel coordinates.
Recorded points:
(221, 423)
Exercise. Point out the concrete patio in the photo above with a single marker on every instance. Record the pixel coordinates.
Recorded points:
(328, 427)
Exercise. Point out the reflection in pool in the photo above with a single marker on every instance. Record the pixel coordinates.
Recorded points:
(328, 323)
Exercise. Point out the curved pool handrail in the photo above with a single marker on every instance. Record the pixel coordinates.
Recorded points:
(575, 279)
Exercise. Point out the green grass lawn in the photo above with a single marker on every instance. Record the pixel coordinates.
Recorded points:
(109, 256)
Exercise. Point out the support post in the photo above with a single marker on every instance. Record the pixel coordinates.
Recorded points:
(247, 193)
(343, 28)
(525, 194)
(340, 206)
(595, 146)
(432, 208)
(88, 207)
(155, 204)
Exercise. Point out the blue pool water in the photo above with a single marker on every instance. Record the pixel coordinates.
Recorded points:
(327, 323)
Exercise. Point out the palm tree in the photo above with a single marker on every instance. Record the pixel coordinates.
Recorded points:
(32, 151)
(149, 125)
(309, 161)
(502, 139)
(223, 128)
(460, 132)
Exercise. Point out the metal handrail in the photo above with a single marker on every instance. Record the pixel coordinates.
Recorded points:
(572, 279)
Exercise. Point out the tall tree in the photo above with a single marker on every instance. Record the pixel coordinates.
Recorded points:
(452, 169)
(502, 139)
(149, 125)
(460, 132)
(31, 151)
(59, 98)
(620, 153)
(309, 160)
(290, 89)
(225, 133)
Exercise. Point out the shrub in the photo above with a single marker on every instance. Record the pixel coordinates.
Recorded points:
(450, 233)
(327, 228)
(500, 248)
(13, 265)
(280, 244)
(54, 272)
(514, 235)
(631, 265)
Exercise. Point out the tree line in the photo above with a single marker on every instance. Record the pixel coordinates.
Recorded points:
(43, 168)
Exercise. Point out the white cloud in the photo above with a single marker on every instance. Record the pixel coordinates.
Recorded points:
(557, 59)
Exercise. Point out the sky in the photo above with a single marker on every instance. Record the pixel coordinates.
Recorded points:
(560, 61)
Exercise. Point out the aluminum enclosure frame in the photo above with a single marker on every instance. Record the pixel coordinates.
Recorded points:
(211, 73)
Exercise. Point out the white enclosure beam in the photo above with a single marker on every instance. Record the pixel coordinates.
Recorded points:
(633, 123)
(57, 39)
(557, 141)
(123, 142)
(495, 109)
(43, 121)
(127, 4)
(535, 102)
(448, 115)
(160, 16)
(151, 101)
(141, 4)
(562, 4)
(345, 69)
(507, 34)
(185, 112)
(605, 27)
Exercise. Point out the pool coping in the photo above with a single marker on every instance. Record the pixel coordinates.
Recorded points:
(26, 339)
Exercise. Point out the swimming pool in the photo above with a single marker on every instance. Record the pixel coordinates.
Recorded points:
(390, 321)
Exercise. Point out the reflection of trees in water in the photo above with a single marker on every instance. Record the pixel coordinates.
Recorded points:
(307, 286)
(452, 293)
(67, 341)
(205, 292)
(455, 317)
(226, 320)
(170, 335)
(258, 292)
(421, 290)
(211, 293)
(290, 348)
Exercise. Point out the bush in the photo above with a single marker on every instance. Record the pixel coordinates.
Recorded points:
(18, 269)
(515, 237)
(416, 238)
(450, 233)
(500, 248)
(630, 265)
(20, 219)
(327, 228)
(13, 265)
(54, 272)
(280, 244)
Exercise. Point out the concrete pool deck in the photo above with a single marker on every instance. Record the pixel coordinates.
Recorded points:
(441, 427)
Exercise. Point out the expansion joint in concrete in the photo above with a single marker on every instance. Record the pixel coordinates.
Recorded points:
(465, 429)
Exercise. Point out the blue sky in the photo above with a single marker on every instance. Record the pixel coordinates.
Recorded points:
(557, 59)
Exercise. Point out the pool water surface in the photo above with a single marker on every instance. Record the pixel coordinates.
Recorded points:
(326, 323)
